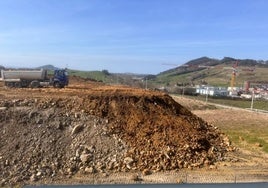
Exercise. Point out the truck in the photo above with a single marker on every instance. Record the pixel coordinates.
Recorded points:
(34, 78)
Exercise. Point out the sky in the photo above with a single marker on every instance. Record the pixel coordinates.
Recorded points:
(138, 36)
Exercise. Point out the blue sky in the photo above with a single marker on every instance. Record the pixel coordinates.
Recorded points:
(130, 35)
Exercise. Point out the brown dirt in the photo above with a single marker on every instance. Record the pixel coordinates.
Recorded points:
(49, 134)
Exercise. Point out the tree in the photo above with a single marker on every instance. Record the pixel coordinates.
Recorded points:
(106, 72)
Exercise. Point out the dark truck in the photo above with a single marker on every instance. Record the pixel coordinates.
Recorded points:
(34, 78)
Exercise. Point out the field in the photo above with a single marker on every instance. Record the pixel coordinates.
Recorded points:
(94, 75)
(233, 102)
(93, 133)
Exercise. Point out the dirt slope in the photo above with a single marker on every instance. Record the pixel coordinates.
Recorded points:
(51, 134)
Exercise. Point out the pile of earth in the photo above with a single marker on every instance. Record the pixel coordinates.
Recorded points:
(101, 132)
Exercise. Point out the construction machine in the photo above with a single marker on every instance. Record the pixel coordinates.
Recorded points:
(34, 78)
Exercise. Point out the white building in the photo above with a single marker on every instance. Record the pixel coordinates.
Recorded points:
(211, 91)
(233, 90)
(249, 96)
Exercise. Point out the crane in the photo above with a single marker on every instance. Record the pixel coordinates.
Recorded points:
(185, 65)
(233, 78)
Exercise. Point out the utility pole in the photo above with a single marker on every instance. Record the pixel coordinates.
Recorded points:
(117, 79)
(207, 95)
(182, 89)
(252, 100)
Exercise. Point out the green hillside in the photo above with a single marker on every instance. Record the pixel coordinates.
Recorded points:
(135, 80)
(213, 72)
(100, 76)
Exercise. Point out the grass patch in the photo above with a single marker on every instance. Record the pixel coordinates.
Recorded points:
(202, 107)
(235, 102)
(249, 139)
(102, 76)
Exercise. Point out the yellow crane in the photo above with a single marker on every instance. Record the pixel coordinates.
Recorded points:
(233, 78)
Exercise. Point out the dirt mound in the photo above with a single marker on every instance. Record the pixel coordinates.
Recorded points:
(162, 134)
(101, 130)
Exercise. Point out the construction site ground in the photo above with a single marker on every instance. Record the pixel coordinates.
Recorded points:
(44, 133)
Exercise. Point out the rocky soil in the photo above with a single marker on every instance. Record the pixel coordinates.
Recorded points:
(51, 134)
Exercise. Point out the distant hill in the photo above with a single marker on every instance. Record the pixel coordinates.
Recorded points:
(213, 71)
(200, 63)
(48, 67)
(130, 79)
(202, 70)
(227, 61)
(204, 61)
(2, 67)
